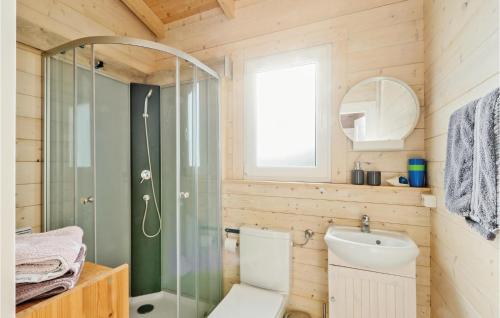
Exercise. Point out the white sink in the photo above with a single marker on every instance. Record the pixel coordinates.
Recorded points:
(377, 249)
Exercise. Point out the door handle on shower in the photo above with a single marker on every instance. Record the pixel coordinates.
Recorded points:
(86, 200)
(184, 195)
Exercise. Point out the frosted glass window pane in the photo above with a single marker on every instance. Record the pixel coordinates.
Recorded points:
(286, 117)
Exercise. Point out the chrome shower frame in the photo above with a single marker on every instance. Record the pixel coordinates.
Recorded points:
(119, 40)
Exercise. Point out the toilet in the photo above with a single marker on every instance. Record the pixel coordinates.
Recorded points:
(265, 274)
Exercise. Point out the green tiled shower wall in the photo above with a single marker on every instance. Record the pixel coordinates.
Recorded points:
(146, 252)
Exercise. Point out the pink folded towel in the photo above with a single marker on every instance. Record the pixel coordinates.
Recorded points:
(29, 291)
(45, 256)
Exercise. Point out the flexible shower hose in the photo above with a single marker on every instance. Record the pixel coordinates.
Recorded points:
(152, 187)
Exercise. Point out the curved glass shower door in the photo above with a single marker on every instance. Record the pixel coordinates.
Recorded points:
(108, 123)
(208, 259)
(70, 151)
(199, 237)
(197, 279)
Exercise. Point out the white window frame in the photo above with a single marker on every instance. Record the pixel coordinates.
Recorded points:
(321, 56)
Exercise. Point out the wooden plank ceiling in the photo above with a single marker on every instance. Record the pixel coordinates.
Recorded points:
(155, 13)
(171, 10)
(44, 24)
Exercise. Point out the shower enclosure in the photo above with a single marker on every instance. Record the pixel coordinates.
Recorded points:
(132, 157)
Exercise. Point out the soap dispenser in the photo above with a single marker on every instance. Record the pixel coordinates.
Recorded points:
(357, 175)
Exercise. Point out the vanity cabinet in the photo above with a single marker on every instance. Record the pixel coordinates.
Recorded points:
(366, 293)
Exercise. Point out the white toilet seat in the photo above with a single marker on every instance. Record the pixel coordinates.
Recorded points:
(245, 301)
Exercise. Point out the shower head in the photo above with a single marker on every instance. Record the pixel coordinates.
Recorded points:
(145, 114)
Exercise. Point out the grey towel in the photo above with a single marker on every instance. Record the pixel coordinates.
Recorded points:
(483, 214)
(459, 160)
(471, 186)
(29, 291)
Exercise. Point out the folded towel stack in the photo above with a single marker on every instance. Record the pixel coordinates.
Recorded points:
(48, 263)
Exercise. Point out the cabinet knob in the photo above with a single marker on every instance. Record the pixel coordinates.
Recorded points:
(332, 299)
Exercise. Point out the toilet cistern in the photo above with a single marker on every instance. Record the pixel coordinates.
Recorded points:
(365, 224)
(265, 275)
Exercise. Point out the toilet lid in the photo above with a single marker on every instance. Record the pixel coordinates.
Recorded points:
(244, 301)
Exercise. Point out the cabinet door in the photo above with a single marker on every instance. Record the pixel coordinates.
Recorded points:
(364, 294)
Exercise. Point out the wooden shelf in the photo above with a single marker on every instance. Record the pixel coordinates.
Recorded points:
(332, 185)
(99, 290)
(327, 191)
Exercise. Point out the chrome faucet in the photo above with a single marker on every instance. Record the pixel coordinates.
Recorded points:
(365, 224)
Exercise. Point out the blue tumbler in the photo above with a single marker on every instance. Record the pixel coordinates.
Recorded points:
(416, 172)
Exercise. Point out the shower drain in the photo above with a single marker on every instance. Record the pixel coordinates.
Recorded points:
(144, 309)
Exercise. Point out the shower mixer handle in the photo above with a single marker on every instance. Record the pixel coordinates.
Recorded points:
(145, 175)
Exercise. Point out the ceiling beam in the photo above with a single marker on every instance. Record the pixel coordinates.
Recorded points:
(228, 7)
(147, 16)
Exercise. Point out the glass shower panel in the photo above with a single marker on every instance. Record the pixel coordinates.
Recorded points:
(112, 146)
(188, 213)
(70, 153)
(209, 257)
(90, 179)
(60, 191)
(168, 186)
(84, 148)
(199, 231)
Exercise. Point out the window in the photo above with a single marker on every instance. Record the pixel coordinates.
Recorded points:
(287, 116)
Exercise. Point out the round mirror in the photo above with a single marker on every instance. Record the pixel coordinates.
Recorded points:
(379, 111)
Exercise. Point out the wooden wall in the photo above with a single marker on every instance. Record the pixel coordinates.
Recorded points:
(29, 138)
(301, 206)
(462, 63)
(368, 38)
(44, 24)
